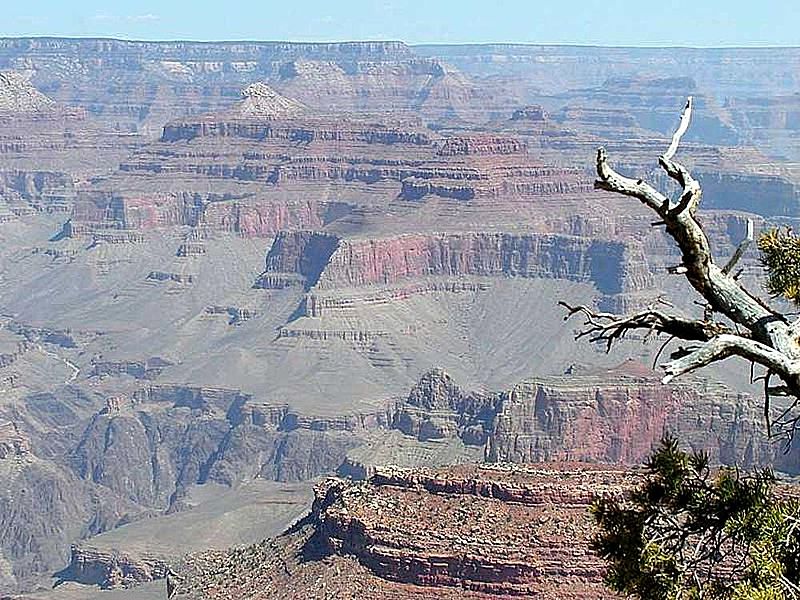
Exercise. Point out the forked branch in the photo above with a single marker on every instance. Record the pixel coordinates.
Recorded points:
(756, 333)
(609, 327)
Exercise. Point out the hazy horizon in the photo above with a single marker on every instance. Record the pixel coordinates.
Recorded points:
(400, 41)
(611, 23)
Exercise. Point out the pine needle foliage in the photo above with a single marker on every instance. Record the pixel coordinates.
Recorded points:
(780, 255)
(693, 533)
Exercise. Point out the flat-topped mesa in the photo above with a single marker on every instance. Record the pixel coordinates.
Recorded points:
(325, 262)
(664, 87)
(474, 532)
(440, 549)
(19, 97)
(533, 484)
(261, 217)
(109, 52)
(102, 209)
(389, 260)
(248, 215)
(294, 131)
(486, 145)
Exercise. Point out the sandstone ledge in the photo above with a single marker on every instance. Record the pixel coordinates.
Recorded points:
(461, 532)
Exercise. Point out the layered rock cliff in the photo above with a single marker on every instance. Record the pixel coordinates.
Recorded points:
(476, 532)
(613, 417)
(322, 261)
(415, 225)
(112, 569)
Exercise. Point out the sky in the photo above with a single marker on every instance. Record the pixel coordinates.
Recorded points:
(585, 22)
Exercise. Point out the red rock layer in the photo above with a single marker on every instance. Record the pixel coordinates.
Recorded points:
(461, 532)
(250, 217)
(327, 262)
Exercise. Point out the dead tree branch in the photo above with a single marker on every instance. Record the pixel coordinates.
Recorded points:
(758, 333)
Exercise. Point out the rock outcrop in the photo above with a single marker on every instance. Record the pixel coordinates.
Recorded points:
(19, 96)
(613, 417)
(112, 569)
(407, 222)
(169, 437)
(43, 508)
(471, 532)
(13, 445)
(324, 262)
(261, 101)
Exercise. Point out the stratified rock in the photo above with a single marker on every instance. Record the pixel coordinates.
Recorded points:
(534, 113)
(111, 568)
(463, 532)
(326, 262)
(612, 416)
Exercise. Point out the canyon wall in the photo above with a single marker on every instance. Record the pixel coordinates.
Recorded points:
(324, 262)
(613, 417)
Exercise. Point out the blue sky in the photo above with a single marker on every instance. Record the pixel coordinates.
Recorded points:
(611, 22)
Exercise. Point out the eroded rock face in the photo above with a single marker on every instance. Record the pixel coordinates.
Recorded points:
(324, 262)
(168, 437)
(621, 421)
(19, 96)
(461, 532)
(416, 225)
(437, 408)
(112, 569)
(13, 444)
(43, 507)
(613, 417)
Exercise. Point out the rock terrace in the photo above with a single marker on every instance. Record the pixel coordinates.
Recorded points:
(468, 532)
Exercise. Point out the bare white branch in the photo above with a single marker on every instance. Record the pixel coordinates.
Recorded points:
(686, 118)
(761, 335)
(725, 345)
(612, 181)
(740, 249)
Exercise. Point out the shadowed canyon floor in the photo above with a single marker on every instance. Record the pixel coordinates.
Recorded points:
(230, 269)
